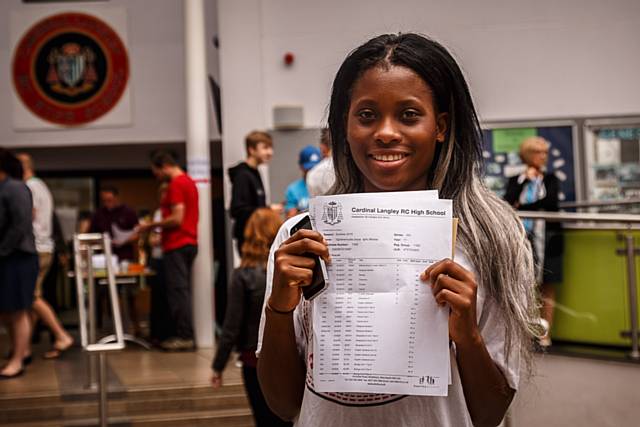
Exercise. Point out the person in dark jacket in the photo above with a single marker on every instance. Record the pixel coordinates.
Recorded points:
(18, 262)
(247, 192)
(241, 323)
(116, 218)
(535, 190)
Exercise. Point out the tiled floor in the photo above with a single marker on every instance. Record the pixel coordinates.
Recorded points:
(131, 368)
(145, 388)
(564, 390)
(137, 368)
(570, 391)
(40, 377)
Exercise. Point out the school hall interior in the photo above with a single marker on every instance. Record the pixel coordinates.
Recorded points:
(93, 90)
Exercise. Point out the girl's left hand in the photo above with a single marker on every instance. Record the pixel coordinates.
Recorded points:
(456, 287)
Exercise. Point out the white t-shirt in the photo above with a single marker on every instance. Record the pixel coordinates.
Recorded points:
(321, 177)
(362, 409)
(43, 214)
(156, 251)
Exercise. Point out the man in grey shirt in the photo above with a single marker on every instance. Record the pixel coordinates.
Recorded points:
(43, 232)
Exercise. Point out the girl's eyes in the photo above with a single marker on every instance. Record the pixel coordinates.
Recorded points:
(366, 115)
(409, 115)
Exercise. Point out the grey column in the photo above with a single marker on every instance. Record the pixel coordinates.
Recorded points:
(199, 167)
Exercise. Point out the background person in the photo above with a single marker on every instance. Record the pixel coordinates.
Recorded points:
(296, 195)
(244, 306)
(247, 190)
(83, 222)
(179, 226)
(402, 119)
(43, 232)
(535, 190)
(118, 220)
(18, 262)
(160, 324)
(57, 274)
(321, 177)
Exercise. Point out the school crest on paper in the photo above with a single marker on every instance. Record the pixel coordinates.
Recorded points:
(332, 213)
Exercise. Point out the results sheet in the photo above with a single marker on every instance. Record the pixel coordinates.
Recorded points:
(377, 327)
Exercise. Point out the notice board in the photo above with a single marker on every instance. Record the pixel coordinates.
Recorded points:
(502, 159)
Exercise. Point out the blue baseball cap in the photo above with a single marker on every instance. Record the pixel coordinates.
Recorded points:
(309, 157)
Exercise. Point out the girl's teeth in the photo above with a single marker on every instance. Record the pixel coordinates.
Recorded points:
(389, 157)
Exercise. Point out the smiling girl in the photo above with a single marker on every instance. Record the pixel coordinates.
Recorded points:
(401, 118)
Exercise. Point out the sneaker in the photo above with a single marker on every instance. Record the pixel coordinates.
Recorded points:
(177, 344)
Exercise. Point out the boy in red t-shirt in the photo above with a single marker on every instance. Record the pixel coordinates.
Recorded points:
(179, 225)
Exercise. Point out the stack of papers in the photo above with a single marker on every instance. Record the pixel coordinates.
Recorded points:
(377, 327)
(120, 236)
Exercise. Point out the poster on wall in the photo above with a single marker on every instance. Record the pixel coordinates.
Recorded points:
(70, 69)
(613, 152)
(502, 159)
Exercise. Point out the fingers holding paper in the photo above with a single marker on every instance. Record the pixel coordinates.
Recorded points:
(293, 267)
(456, 287)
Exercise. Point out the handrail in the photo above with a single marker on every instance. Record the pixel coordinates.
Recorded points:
(87, 243)
(599, 203)
(84, 245)
(582, 216)
(618, 222)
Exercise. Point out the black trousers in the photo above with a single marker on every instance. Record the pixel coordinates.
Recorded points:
(177, 275)
(160, 323)
(261, 412)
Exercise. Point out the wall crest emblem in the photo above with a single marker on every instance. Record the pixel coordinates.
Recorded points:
(70, 69)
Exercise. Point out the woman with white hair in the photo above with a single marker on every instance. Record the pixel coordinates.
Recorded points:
(535, 190)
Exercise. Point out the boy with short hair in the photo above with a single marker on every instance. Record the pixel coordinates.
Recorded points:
(247, 190)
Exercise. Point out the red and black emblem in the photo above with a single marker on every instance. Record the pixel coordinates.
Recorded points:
(70, 68)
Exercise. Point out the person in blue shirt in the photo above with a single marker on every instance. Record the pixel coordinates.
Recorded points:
(297, 196)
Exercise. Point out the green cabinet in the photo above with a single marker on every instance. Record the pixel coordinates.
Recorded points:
(592, 302)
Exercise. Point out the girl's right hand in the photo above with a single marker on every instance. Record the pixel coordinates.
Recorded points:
(292, 269)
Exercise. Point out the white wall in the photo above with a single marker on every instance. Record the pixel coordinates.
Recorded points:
(242, 81)
(525, 59)
(156, 55)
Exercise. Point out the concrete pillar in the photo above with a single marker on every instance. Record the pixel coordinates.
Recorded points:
(199, 166)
